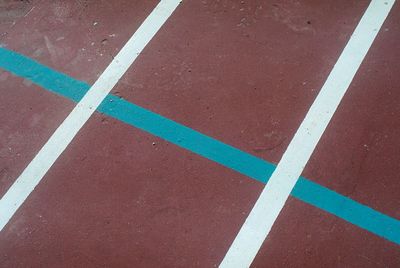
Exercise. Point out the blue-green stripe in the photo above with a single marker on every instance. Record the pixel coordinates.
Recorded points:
(192, 140)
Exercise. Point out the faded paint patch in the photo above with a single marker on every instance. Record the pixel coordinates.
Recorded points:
(12, 10)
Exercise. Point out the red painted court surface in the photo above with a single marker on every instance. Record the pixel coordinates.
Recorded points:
(242, 72)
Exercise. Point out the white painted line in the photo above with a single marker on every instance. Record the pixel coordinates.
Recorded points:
(64, 134)
(272, 199)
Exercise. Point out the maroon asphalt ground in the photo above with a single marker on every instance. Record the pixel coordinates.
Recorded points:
(243, 72)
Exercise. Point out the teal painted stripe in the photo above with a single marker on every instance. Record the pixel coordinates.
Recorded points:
(348, 209)
(187, 138)
(41, 75)
(226, 155)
